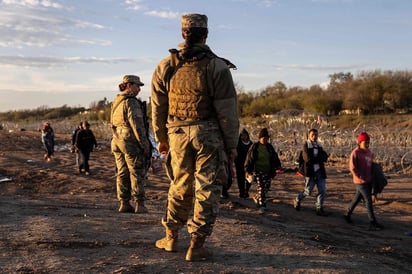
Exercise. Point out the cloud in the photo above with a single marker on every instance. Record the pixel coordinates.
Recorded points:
(264, 3)
(163, 14)
(85, 24)
(45, 62)
(32, 3)
(332, 1)
(134, 4)
(22, 26)
(268, 3)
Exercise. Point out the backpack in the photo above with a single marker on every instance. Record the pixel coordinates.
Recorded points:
(379, 180)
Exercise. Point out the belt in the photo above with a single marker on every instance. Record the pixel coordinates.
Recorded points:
(122, 129)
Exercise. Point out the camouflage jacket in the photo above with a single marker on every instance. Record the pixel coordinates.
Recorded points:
(127, 113)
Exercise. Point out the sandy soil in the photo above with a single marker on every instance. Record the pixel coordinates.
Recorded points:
(54, 220)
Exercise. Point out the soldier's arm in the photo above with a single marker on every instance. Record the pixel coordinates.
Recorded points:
(160, 102)
(225, 102)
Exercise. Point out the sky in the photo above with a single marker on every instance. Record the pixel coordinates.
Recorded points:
(75, 52)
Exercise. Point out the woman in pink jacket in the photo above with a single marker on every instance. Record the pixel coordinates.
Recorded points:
(360, 165)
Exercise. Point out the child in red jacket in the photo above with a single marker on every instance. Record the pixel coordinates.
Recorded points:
(360, 165)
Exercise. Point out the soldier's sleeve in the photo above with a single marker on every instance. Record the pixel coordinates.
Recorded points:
(159, 101)
(136, 121)
(225, 102)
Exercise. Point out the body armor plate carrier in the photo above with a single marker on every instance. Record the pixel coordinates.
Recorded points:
(188, 89)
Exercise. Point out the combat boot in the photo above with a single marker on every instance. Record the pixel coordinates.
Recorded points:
(169, 242)
(196, 251)
(125, 207)
(140, 207)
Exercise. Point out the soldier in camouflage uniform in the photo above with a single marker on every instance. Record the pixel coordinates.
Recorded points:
(195, 121)
(130, 145)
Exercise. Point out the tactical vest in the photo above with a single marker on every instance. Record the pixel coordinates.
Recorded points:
(188, 88)
(119, 112)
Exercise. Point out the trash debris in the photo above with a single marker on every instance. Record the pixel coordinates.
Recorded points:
(5, 179)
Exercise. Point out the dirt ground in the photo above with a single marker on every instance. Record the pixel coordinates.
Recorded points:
(54, 220)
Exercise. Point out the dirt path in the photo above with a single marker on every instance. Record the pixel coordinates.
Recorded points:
(56, 221)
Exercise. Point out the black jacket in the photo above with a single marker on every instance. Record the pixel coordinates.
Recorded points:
(242, 150)
(309, 160)
(253, 154)
(85, 140)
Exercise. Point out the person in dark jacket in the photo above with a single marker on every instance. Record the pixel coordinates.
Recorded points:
(243, 146)
(261, 162)
(314, 158)
(73, 149)
(85, 141)
(47, 138)
(237, 169)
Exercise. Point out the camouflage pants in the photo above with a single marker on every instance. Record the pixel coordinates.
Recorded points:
(199, 169)
(131, 170)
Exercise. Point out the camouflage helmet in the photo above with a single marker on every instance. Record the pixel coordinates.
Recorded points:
(194, 20)
(132, 79)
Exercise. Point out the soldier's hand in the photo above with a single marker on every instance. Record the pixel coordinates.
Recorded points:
(232, 154)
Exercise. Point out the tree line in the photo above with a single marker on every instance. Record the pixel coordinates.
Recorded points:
(369, 92)
(97, 111)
